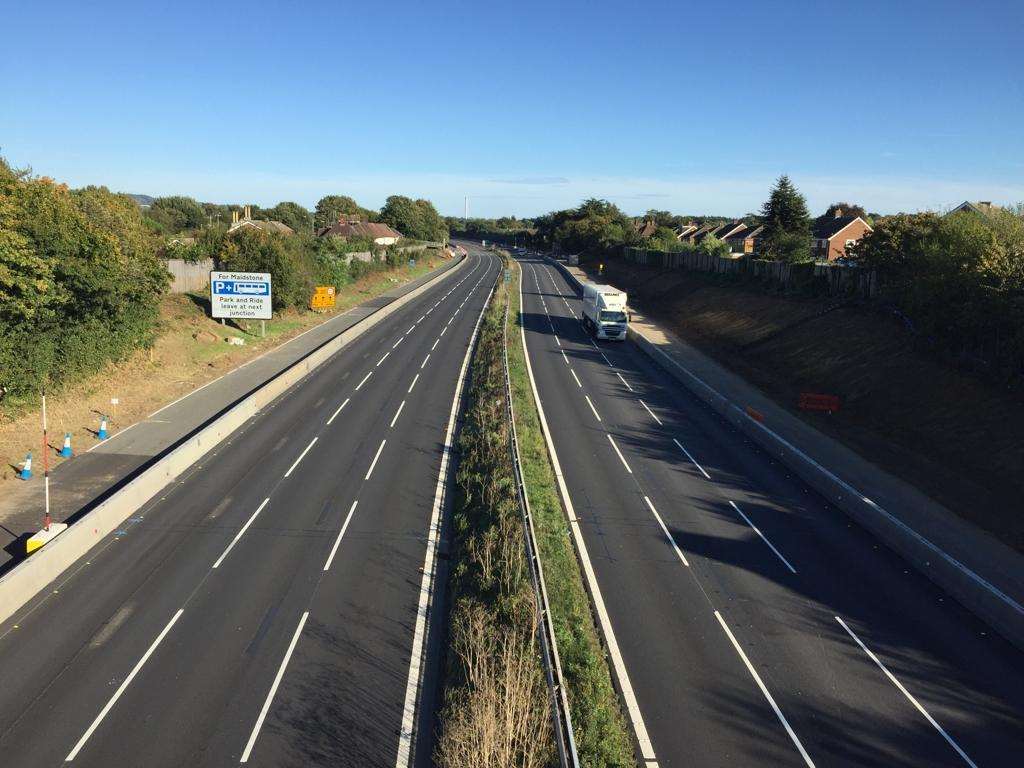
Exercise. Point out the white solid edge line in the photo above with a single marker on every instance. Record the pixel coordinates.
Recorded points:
(592, 408)
(273, 689)
(765, 691)
(668, 535)
(651, 412)
(698, 466)
(412, 686)
(618, 663)
(341, 533)
(424, 363)
(375, 457)
(397, 414)
(763, 537)
(121, 688)
(301, 457)
(576, 377)
(360, 384)
(337, 411)
(241, 532)
(905, 692)
(626, 383)
(617, 451)
(414, 380)
(924, 540)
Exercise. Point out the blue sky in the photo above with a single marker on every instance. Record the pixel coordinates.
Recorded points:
(526, 107)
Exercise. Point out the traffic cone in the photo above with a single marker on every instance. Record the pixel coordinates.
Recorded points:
(66, 451)
(26, 468)
(102, 434)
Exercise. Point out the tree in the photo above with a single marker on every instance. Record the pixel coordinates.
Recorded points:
(171, 215)
(252, 250)
(292, 214)
(417, 219)
(787, 225)
(848, 209)
(330, 207)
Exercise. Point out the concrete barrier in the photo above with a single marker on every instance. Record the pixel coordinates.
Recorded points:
(1002, 611)
(25, 580)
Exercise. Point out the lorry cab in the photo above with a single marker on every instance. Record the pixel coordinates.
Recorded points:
(604, 311)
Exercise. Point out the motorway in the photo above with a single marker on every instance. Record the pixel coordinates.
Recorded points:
(271, 607)
(748, 621)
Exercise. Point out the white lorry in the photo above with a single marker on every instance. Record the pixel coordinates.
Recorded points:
(604, 311)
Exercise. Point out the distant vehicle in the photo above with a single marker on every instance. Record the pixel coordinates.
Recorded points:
(604, 311)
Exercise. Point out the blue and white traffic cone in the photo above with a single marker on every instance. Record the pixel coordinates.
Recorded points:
(26, 468)
(66, 451)
(102, 434)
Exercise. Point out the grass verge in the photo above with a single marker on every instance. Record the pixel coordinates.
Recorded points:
(189, 352)
(496, 710)
(602, 738)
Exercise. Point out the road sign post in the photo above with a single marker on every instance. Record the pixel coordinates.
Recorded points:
(241, 295)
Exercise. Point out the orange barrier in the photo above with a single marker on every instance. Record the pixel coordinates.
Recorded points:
(755, 415)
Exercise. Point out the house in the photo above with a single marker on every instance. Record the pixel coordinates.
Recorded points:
(983, 207)
(246, 220)
(646, 228)
(830, 237)
(700, 233)
(684, 231)
(744, 240)
(348, 227)
(725, 231)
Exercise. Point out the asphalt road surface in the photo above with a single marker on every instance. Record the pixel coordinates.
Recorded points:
(756, 624)
(268, 608)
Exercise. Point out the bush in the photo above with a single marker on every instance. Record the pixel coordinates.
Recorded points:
(79, 281)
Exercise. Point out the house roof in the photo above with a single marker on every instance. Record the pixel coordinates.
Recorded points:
(727, 230)
(981, 206)
(743, 232)
(371, 230)
(703, 232)
(827, 228)
(267, 226)
(646, 228)
(685, 230)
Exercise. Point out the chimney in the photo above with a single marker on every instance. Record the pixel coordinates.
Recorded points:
(839, 213)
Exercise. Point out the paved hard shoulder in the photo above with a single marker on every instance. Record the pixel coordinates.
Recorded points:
(77, 484)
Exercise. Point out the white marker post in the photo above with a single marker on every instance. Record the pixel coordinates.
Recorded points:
(46, 472)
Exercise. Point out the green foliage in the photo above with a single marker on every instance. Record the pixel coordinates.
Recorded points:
(848, 209)
(417, 219)
(712, 246)
(292, 214)
(170, 215)
(595, 228)
(959, 277)
(787, 225)
(79, 280)
(287, 259)
(330, 207)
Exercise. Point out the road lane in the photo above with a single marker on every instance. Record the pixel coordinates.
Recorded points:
(842, 711)
(197, 698)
